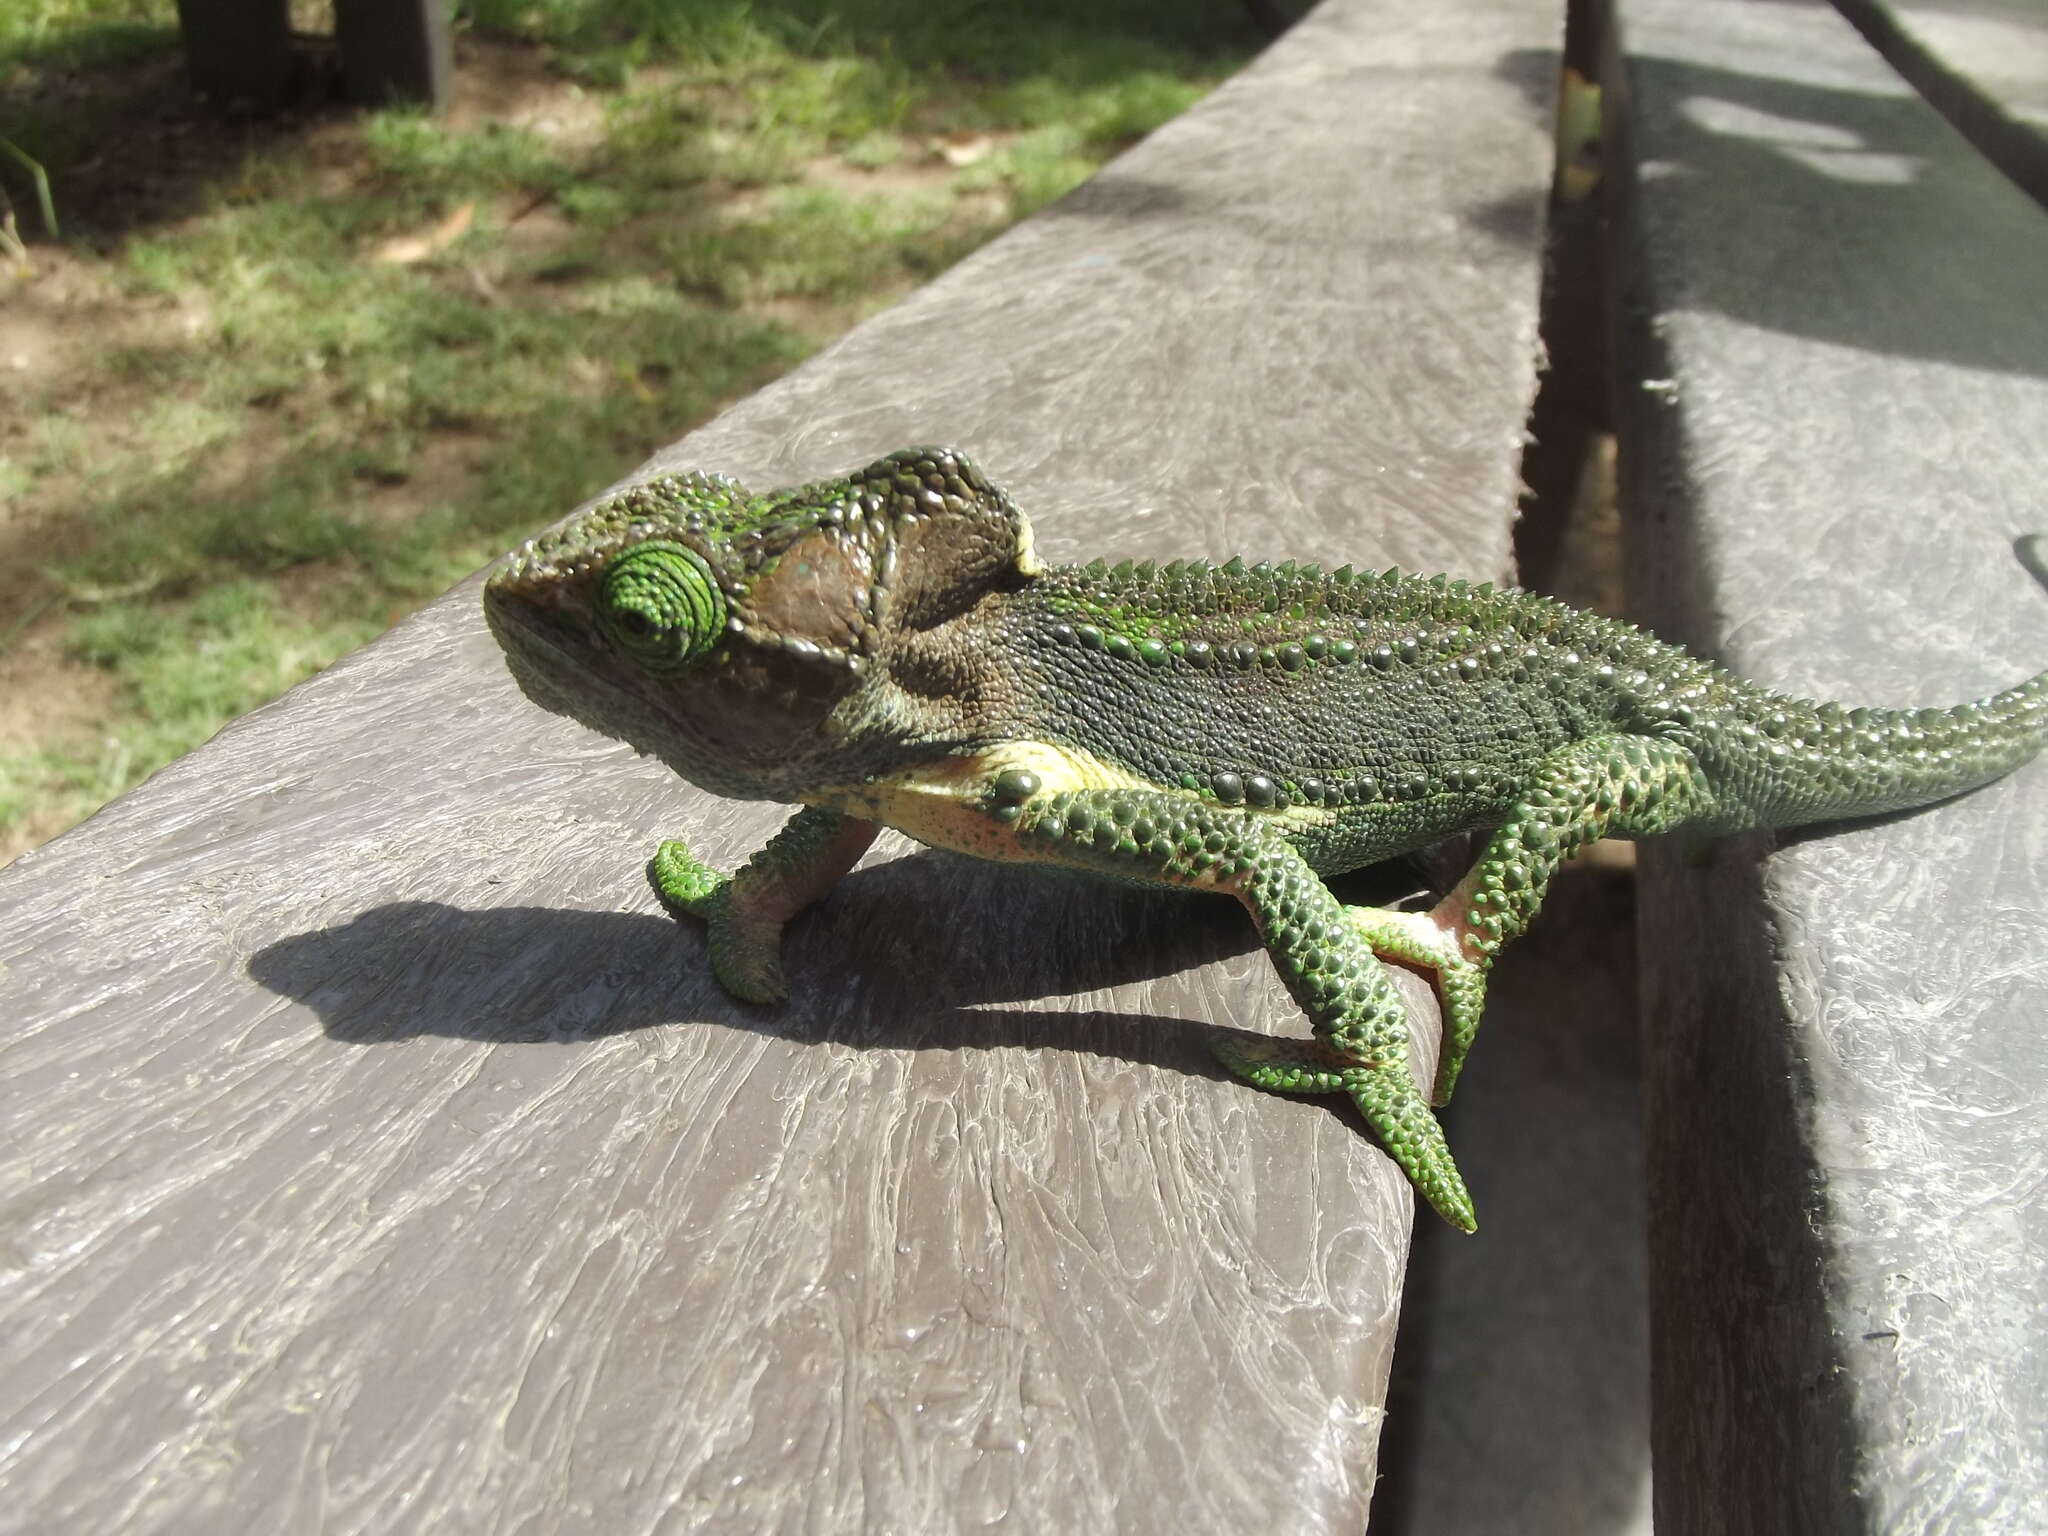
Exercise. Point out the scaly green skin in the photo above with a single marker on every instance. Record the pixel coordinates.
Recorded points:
(884, 650)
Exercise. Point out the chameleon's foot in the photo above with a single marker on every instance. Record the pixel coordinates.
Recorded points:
(1280, 1066)
(1385, 1095)
(746, 953)
(1433, 942)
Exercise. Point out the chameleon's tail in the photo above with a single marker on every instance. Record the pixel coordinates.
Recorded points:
(1823, 761)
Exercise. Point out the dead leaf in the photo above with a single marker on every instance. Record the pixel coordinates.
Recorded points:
(958, 149)
(404, 250)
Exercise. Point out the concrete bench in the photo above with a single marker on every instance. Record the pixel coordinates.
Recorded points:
(1980, 65)
(378, 1156)
(1833, 360)
(242, 52)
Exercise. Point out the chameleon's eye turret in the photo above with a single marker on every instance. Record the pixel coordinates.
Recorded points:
(661, 605)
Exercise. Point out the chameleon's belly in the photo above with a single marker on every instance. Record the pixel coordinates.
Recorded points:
(948, 802)
(951, 802)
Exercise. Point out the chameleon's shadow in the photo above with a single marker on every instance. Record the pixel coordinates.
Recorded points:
(908, 954)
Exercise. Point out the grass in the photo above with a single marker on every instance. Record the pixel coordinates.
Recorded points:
(340, 361)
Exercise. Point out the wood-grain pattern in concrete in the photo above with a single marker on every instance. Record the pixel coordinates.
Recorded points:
(378, 1157)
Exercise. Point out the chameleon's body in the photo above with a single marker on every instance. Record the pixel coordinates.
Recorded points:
(885, 650)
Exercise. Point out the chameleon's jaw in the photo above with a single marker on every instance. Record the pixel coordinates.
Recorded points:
(542, 659)
(549, 659)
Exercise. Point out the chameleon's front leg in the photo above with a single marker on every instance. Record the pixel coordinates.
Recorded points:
(745, 912)
(1615, 785)
(1361, 1044)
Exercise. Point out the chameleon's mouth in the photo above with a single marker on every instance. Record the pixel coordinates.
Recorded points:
(547, 651)
(516, 611)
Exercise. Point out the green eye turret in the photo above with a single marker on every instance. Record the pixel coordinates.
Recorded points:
(661, 605)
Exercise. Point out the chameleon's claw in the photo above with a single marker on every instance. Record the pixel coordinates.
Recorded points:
(684, 885)
(1280, 1066)
(1384, 1094)
(746, 957)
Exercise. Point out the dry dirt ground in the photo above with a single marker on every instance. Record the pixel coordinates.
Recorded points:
(68, 310)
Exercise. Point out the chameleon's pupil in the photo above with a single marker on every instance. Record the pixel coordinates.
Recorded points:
(661, 603)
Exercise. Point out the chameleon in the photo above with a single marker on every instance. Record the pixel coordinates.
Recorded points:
(885, 649)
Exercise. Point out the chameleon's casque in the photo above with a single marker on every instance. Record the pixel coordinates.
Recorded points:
(884, 650)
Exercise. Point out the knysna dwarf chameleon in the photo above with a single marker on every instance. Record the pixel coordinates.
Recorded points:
(885, 650)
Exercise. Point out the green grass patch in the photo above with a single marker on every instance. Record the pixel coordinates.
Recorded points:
(58, 785)
(45, 46)
(83, 34)
(182, 672)
(814, 243)
(393, 359)
(225, 651)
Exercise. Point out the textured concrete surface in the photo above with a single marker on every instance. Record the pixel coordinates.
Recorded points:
(1520, 1404)
(377, 1156)
(1837, 330)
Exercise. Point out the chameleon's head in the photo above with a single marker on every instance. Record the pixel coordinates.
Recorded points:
(744, 639)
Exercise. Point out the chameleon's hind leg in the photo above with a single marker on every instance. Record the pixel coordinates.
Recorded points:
(1619, 785)
(745, 912)
(1361, 1026)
